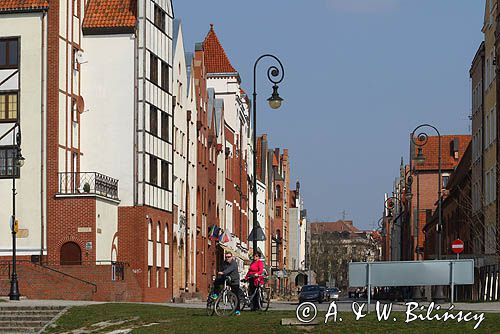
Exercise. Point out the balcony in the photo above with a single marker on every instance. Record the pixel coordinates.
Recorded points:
(88, 183)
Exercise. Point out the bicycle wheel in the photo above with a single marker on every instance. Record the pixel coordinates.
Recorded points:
(225, 305)
(244, 299)
(265, 299)
(210, 306)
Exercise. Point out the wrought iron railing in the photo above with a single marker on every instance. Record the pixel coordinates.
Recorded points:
(88, 183)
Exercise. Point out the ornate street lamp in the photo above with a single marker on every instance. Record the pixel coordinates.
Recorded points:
(421, 140)
(275, 75)
(18, 162)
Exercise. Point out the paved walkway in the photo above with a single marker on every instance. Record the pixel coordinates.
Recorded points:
(343, 305)
(28, 302)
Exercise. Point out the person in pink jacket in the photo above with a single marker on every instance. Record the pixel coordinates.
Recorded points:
(254, 277)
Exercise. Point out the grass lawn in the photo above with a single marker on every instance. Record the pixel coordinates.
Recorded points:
(105, 318)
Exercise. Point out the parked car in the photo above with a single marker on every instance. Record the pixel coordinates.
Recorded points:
(326, 295)
(311, 293)
(333, 293)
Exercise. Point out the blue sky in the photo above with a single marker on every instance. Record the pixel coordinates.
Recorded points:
(360, 75)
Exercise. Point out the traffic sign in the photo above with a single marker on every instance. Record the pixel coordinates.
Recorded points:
(457, 246)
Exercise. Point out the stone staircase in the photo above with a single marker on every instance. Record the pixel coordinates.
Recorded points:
(189, 298)
(27, 319)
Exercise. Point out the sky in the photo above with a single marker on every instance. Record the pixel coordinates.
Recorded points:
(360, 75)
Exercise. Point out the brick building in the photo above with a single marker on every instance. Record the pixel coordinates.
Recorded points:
(83, 129)
(404, 229)
(131, 159)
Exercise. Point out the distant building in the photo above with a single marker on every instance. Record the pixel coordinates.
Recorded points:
(333, 245)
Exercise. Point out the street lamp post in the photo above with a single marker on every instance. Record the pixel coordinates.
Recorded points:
(17, 162)
(275, 75)
(420, 140)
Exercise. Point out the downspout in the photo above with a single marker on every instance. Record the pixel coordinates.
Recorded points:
(42, 141)
(144, 114)
(187, 208)
(136, 111)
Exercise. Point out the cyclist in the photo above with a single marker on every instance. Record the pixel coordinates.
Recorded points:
(254, 277)
(229, 269)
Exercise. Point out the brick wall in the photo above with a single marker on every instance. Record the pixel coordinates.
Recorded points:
(133, 249)
(36, 282)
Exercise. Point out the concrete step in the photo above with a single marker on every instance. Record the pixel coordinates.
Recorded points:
(31, 308)
(33, 317)
(26, 319)
(12, 330)
(49, 313)
(193, 301)
(4, 324)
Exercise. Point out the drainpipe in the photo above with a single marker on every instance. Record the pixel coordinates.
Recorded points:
(187, 208)
(42, 141)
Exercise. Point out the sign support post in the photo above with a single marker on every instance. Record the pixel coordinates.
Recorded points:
(369, 292)
(452, 282)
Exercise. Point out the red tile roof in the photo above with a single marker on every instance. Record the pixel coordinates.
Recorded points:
(110, 16)
(216, 60)
(338, 226)
(431, 149)
(22, 5)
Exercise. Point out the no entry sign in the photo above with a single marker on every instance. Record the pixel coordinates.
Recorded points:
(457, 246)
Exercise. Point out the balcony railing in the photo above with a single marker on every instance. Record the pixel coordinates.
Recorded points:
(88, 183)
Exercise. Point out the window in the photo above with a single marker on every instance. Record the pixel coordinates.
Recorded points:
(179, 93)
(159, 18)
(8, 107)
(153, 120)
(153, 170)
(76, 65)
(164, 126)
(157, 277)
(74, 110)
(9, 53)
(153, 68)
(278, 211)
(164, 175)
(165, 77)
(7, 155)
(149, 276)
(77, 8)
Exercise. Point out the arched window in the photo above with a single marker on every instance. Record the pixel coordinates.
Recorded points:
(71, 254)
(278, 192)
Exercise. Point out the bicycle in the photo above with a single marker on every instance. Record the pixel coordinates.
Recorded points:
(264, 296)
(225, 304)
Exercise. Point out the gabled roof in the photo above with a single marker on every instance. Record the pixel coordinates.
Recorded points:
(110, 16)
(177, 27)
(23, 5)
(216, 60)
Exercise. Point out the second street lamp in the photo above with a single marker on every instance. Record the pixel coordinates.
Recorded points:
(275, 75)
(420, 140)
(17, 163)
